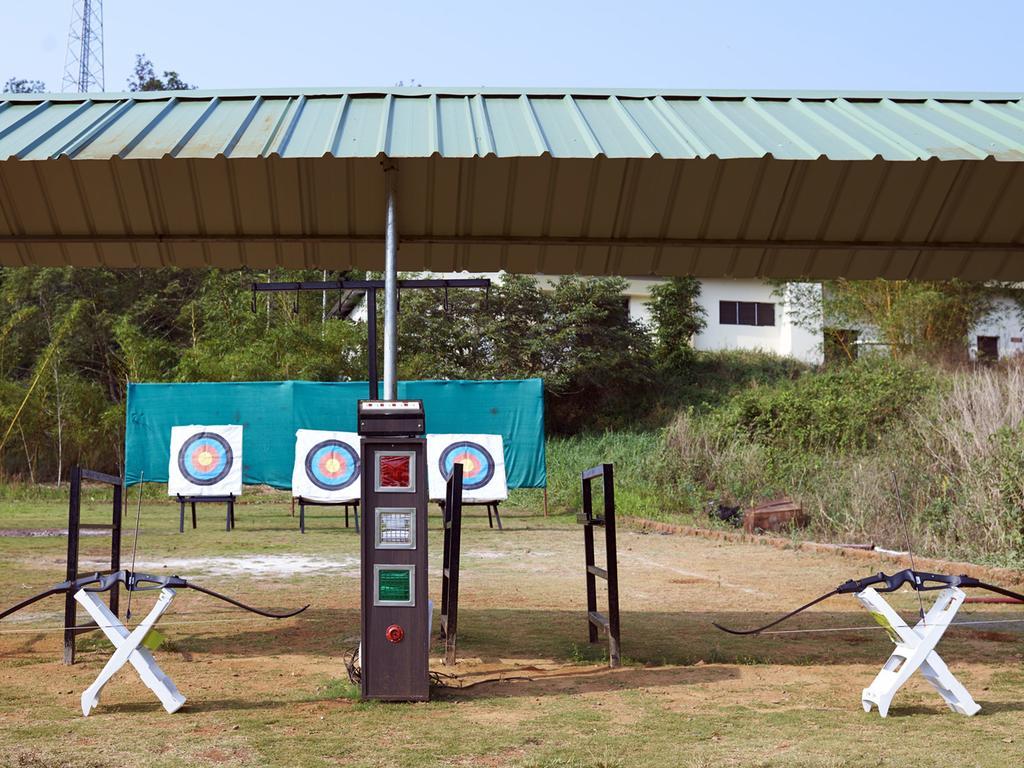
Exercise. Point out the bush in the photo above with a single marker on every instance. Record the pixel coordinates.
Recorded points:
(842, 409)
(953, 442)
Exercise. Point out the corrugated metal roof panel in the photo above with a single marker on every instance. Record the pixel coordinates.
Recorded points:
(406, 123)
(627, 182)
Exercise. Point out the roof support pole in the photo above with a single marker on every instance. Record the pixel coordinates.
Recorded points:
(390, 285)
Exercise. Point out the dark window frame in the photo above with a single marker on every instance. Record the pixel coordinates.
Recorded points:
(750, 313)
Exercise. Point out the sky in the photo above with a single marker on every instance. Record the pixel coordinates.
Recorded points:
(832, 45)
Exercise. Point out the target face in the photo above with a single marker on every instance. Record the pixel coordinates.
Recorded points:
(332, 465)
(205, 458)
(477, 463)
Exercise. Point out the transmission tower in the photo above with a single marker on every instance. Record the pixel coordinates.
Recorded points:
(83, 63)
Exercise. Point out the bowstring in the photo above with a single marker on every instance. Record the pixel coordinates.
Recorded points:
(906, 536)
(135, 545)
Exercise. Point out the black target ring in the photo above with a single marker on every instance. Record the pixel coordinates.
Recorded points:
(478, 453)
(312, 465)
(227, 458)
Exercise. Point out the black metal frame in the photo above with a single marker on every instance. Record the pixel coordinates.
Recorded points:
(71, 626)
(492, 506)
(304, 502)
(452, 515)
(229, 518)
(371, 287)
(610, 572)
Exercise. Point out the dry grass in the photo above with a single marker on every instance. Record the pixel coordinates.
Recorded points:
(958, 462)
(274, 693)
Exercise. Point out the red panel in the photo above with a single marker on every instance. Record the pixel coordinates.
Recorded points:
(395, 471)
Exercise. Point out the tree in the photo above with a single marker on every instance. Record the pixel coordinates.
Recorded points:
(924, 319)
(144, 78)
(678, 317)
(20, 85)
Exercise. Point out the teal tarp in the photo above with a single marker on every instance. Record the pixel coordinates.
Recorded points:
(270, 412)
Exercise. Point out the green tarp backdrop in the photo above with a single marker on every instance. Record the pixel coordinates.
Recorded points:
(270, 412)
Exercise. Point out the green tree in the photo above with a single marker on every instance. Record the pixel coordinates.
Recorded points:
(144, 77)
(678, 317)
(925, 319)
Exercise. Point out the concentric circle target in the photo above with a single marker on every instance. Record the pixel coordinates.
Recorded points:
(332, 465)
(477, 464)
(205, 458)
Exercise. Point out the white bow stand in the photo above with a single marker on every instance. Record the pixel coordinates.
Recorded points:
(915, 649)
(129, 648)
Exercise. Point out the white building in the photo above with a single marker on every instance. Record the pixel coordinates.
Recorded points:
(740, 314)
(1000, 334)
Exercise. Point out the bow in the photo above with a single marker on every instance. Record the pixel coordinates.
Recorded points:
(919, 581)
(138, 582)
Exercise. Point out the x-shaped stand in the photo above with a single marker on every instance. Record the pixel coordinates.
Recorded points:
(915, 649)
(128, 645)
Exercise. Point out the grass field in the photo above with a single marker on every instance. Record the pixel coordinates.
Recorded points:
(265, 693)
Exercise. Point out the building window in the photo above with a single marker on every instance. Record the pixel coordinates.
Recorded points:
(746, 313)
(988, 349)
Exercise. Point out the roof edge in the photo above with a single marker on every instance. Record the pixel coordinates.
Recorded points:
(423, 91)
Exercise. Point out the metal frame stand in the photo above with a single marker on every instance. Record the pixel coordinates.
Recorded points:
(303, 503)
(452, 510)
(75, 526)
(610, 573)
(229, 519)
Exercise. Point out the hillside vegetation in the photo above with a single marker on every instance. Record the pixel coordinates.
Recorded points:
(840, 441)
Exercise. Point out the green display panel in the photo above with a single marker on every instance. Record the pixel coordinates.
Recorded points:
(394, 585)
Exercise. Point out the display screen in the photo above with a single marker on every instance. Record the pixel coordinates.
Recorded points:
(394, 585)
(395, 470)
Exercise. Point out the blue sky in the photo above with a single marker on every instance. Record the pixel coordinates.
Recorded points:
(972, 45)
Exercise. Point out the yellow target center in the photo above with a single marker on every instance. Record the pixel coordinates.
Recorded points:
(332, 465)
(204, 459)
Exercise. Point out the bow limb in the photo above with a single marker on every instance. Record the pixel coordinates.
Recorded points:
(779, 620)
(999, 590)
(243, 606)
(55, 590)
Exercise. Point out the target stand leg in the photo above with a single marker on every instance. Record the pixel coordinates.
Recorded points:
(915, 649)
(128, 649)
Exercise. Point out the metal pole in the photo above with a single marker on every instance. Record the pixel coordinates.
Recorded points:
(390, 287)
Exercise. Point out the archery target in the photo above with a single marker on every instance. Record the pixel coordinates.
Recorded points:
(483, 465)
(205, 461)
(326, 465)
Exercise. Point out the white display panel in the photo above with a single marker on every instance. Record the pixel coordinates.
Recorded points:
(395, 528)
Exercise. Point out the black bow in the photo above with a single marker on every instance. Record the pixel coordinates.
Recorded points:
(917, 580)
(138, 582)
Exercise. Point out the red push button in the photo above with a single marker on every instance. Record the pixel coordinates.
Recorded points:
(394, 634)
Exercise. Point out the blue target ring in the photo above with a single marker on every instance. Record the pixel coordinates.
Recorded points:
(332, 465)
(477, 464)
(205, 458)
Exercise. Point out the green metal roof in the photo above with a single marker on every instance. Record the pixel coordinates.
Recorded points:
(713, 183)
(413, 122)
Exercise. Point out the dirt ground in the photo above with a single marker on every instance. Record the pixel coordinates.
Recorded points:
(529, 690)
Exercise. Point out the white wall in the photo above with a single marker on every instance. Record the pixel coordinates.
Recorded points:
(784, 338)
(1006, 324)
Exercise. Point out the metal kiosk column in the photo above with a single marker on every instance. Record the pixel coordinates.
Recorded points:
(395, 612)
